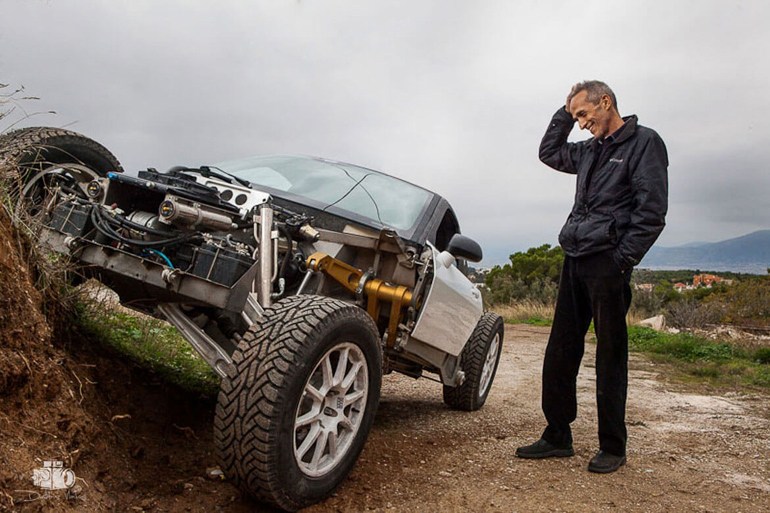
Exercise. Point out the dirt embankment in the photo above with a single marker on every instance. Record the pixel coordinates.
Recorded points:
(137, 444)
(128, 437)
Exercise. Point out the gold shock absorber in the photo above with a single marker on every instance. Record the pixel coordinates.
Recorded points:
(375, 290)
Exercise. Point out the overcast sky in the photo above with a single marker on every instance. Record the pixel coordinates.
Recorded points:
(450, 95)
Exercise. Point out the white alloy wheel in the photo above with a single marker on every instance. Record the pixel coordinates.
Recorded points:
(331, 409)
(490, 364)
(296, 409)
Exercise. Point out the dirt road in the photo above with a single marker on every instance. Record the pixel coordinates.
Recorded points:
(688, 451)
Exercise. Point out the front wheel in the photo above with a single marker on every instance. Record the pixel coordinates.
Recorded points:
(479, 361)
(294, 415)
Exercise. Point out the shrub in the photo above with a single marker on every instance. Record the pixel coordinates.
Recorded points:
(690, 313)
(646, 303)
(745, 302)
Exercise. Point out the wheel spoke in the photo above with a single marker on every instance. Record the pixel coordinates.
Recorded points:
(308, 442)
(353, 397)
(328, 374)
(320, 448)
(313, 392)
(309, 417)
(351, 376)
(342, 365)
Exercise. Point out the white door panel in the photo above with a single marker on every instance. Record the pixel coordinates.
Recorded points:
(451, 309)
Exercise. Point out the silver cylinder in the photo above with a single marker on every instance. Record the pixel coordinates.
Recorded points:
(177, 212)
(265, 274)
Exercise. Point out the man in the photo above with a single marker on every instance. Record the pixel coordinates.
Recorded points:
(619, 211)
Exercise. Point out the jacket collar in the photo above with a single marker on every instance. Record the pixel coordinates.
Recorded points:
(624, 132)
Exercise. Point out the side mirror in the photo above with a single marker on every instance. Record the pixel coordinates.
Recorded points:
(461, 246)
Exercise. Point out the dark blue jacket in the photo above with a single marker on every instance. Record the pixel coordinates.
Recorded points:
(622, 189)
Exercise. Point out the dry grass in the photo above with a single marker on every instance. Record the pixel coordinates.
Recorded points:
(526, 312)
(541, 314)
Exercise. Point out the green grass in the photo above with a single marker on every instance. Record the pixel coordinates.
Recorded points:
(158, 346)
(682, 346)
(717, 362)
(150, 343)
(536, 320)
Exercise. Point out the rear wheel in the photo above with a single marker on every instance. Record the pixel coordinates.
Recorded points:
(294, 415)
(38, 162)
(39, 166)
(479, 361)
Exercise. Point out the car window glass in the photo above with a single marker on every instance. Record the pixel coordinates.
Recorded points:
(387, 200)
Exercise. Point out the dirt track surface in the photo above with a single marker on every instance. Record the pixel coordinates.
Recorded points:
(689, 449)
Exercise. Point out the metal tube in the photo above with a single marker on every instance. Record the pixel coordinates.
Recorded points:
(265, 255)
(209, 350)
(306, 279)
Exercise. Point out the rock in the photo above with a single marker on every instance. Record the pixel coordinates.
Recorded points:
(658, 323)
(215, 474)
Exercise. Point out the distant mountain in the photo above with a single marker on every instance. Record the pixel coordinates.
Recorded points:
(747, 254)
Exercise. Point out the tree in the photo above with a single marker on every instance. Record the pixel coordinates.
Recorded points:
(531, 274)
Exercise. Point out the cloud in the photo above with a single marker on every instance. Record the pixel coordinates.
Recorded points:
(453, 96)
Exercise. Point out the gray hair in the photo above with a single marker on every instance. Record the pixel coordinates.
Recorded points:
(595, 89)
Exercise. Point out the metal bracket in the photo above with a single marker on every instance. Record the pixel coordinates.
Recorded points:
(209, 350)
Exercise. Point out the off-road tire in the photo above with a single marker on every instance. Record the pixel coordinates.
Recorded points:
(35, 146)
(32, 159)
(256, 426)
(479, 361)
(32, 155)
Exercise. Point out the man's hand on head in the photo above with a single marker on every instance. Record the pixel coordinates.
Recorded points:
(569, 98)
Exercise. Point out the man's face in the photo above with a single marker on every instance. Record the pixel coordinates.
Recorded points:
(594, 117)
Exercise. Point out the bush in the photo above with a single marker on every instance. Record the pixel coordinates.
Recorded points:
(745, 302)
(646, 303)
(690, 313)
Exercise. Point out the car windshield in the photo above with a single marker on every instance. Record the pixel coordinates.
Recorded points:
(378, 197)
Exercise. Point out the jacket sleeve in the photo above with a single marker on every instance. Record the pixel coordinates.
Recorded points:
(555, 151)
(649, 181)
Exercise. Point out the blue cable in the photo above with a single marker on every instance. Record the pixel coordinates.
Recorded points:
(164, 257)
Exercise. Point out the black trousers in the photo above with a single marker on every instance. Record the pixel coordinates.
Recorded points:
(590, 287)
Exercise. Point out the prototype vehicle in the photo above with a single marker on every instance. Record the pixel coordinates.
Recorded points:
(301, 281)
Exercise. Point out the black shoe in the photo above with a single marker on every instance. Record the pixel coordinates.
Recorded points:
(604, 463)
(544, 449)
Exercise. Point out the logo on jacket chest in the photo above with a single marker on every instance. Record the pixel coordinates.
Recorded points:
(616, 160)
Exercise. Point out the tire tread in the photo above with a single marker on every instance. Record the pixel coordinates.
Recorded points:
(249, 398)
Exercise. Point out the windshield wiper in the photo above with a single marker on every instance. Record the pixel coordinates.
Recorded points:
(207, 172)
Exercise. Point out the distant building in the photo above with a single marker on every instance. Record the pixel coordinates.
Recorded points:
(680, 287)
(707, 280)
(646, 287)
